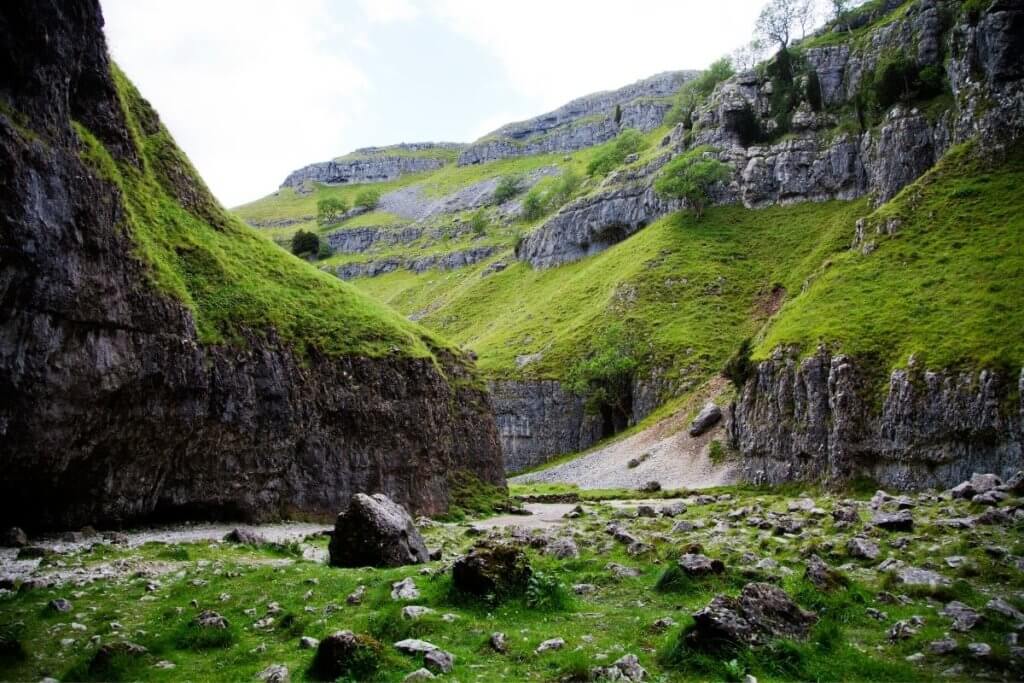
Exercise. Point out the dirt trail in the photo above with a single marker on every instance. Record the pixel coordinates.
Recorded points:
(674, 458)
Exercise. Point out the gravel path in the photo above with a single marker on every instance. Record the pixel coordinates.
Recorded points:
(675, 460)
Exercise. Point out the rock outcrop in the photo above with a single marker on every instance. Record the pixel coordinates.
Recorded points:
(540, 419)
(111, 408)
(376, 164)
(817, 419)
(443, 261)
(583, 122)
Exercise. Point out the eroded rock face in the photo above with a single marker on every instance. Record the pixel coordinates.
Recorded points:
(376, 532)
(373, 164)
(584, 122)
(815, 419)
(111, 408)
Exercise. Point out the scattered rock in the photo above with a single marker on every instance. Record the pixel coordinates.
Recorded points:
(414, 612)
(862, 548)
(978, 483)
(708, 417)
(646, 511)
(414, 646)
(343, 653)
(761, 613)
(499, 643)
(356, 596)
(905, 629)
(439, 661)
(901, 520)
(964, 617)
(625, 668)
(59, 605)
(912, 576)
(307, 643)
(419, 675)
(563, 549)
(492, 569)
(376, 532)
(700, 565)
(942, 647)
(979, 650)
(822, 576)
(404, 590)
(211, 619)
(1000, 606)
(673, 509)
(650, 487)
(549, 645)
(275, 673)
(246, 537)
(584, 588)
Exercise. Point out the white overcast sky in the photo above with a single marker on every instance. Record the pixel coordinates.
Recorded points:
(252, 89)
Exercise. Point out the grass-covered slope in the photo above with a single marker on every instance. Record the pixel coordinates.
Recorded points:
(234, 280)
(947, 285)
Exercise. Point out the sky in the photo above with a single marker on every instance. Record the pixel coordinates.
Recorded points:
(253, 89)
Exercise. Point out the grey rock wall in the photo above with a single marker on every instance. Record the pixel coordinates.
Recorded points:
(372, 164)
(446, 261)
(817, 419)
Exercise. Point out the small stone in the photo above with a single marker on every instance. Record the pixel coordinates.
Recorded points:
(979, 650)
(912, 576)
(275, 673)
(59, 605)
(164, 664)
(862, 548)
(419, 675)
(356, 596)
(552, 644)
(584, 588)
(404, 590)
(244, 537)
(414, 612)
(646, 511)
(650, 487)
(709, 416)
(964, 617)
(621, 571)
(307, 643)
(499, 643)
(672, 509)
(414, 646)
(210, 619)
(942, 647)
(563, 549)
(663, 624)
(440, 661)
(700, 565)
(902, 520)
(1000, 606)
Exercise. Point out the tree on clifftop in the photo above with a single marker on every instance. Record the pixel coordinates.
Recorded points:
(780, 19)
(690, 177)
(330, 210)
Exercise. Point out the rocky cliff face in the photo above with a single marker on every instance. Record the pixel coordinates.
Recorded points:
(817, 419)
(820, 159)
(584, 122)
(376, 164)
(111, 409)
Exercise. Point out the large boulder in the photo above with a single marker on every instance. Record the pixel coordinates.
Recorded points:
(760, 614)
(346, 654)
(376, 532)
(706, 419)
(492, 569)
(977, 484)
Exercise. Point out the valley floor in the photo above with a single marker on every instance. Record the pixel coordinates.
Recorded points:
(606, 581)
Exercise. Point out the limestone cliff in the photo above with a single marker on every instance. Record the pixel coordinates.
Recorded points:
(376, 164)
(113, 406)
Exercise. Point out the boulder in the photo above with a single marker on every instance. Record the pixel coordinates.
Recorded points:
(245, 537)
(964, 617)
(492, 569)
(625, 668)
(414, 646)
(912, 576)
(551, 644)
(499, 643)
(439, 661)
(862, 548)
(760, 614)
(978, 483)
(344, 653)
(651, 487)
(901, 520)
(822, 576)
(563, 549)
(376, 532)
(708, 417)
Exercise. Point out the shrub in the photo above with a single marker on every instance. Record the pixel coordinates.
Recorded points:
(478, 222)
(720, 70)
(544, 592)
(691, 177)
(330, 210)
(192, 636)
(324, 250)
(533, 205)
(611, 156)
(304, 242)
(618, 115)
(566, 187)
(739, 368)
(508, 187)
(674, 580)
(368, 199)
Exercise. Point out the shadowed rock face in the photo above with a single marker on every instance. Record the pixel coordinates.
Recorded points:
(110, 408)
(817, 419)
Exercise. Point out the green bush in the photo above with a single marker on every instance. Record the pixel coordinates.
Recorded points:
(533, 205)
(546, 593)
(304, 242)
(565, 189)
(324, 250)
(330, 210)
(508, 187)
(368, 199)
(720, 70)
(691, 176)
(478, 222)
(611, 156)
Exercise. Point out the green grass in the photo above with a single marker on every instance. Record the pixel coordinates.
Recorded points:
(236, 283)
(945, 287)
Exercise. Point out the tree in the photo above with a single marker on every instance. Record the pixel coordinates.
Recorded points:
(746, 57)
(304, 242)
(780, 19)
(618, 115)
(478, 222)
(604, 378)
(330, 210)
(508, 187)
(533, 205)
(691, 176)
(368, 199)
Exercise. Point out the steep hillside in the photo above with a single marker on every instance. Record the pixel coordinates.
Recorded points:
(820, 141)
(160, 359)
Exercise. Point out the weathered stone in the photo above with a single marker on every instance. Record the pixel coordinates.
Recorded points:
(902, 520)
(822, 576)
(549, 645)
(404, 590)
(673, 509)
(376, 532)
(414, 612)
(1001, 606)
(59, 605)
(499, 643)
(625, 668)
(761, 613)
(708, 417)
(440, 661)
(912, 576)
(244, 536)
(964, 617)
(942, 647)
(356, 596)
(275, 673)
(104, 659)
(978, 483)
(862, 548)
(847, 512)
(492, 569)
(700, 565)
(308, 643)
(421, 674)
(342, 654)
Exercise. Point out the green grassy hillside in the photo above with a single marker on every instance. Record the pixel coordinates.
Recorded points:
(234, 280)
